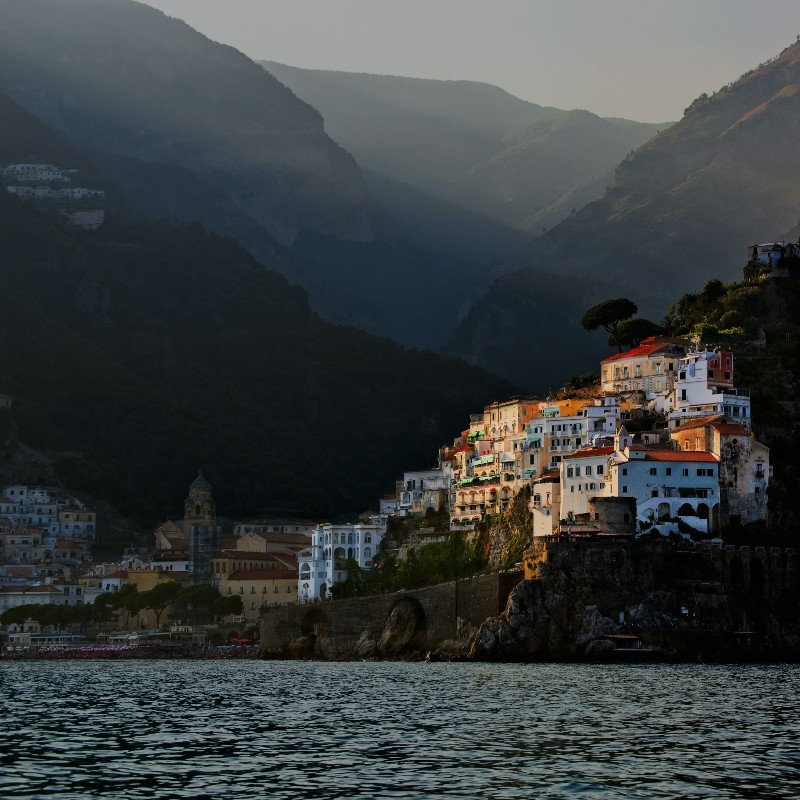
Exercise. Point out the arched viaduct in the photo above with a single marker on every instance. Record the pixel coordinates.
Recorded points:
(402, 622)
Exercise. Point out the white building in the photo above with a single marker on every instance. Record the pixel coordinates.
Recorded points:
(423, 489)
(323, 565)
(667, 484)
(704, 386)
(602, 418)
(583, 476)
(561, 435)
(545, 504)
(59, 594)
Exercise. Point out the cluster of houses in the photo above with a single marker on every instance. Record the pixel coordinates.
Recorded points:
(666, 437)
(46, 182)
(667, 430)
(46, 537)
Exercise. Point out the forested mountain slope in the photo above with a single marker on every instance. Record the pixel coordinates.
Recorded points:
(140, 352)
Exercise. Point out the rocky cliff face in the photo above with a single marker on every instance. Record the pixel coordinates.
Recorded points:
(679, 603)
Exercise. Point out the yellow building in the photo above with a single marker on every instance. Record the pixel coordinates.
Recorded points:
(649, 368)
(260, 589)
(509, 417)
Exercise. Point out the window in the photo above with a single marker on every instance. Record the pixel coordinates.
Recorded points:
(588, 471)
(624, 470)
(654, 493)
(599, 469)
(652, 470)
(727, 376)
(570, 472)
(668, 471)
(685, 472)
(276, 590)
(577, 472)
(624, 490)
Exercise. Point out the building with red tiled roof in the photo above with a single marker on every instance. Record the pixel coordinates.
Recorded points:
(649, 368)
(668, 484)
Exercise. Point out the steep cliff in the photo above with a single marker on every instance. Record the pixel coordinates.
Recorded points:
(585, 599)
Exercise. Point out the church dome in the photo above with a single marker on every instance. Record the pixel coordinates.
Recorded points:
(200, 483)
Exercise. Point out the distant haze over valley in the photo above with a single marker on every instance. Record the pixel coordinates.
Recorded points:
(469, 144)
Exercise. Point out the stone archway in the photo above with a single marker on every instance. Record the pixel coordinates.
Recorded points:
(686, 510)
(313, 640)
(406, 628)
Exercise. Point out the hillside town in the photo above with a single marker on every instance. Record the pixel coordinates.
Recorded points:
(666, 431)
(50, 184)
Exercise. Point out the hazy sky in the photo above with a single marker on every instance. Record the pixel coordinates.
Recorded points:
(640, 59)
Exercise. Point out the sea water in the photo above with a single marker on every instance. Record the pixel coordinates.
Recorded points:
(266, 729)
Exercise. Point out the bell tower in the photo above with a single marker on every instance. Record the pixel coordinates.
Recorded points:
(199, 508)
(200, 526)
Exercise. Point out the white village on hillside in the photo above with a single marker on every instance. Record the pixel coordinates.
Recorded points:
(585, 465)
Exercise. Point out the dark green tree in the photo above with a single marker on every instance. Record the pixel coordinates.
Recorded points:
(608, 315)
(355, 582)
(224, 606)
(631, 332)
(15, 616)
(195, 600)
(159, 597)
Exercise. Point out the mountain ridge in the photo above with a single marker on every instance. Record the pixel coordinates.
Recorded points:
(467, 142)
(683, 208)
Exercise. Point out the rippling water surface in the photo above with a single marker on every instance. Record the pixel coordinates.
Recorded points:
(248, 729)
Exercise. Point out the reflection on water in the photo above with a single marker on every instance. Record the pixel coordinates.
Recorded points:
(241, 729)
